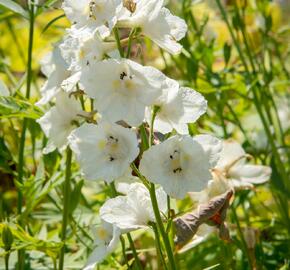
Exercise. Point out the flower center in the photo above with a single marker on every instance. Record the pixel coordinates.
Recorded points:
(175, 162)
(125, 82)
(94, 9)
(112, 147)
(102, 234)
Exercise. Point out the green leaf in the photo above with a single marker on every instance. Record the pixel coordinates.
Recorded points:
(50, 23)
(13, 107)
(16, 8)
(75, 196)
(227, 53)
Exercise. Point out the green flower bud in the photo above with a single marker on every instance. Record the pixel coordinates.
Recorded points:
(7, 237)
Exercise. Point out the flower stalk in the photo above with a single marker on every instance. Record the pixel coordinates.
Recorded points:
(66, 196)
(164, 235)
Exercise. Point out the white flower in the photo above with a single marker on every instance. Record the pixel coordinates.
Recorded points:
(96, 15)
(122, 89)
(54, 67)
(177, 107)
(180, 164)
(133, 211)
(233, 166)
(156, 22)
(4, 92)
(82, 47)
(59, 121)
(104, 151)
(107, 239)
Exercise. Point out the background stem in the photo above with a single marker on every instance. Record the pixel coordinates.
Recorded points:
(21, 253)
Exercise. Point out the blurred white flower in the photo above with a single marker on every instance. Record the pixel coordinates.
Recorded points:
(96, 15)
(156, 22)
(104, 151)
(133, 211)
(122, 89)
(233, 166)
(81, 47)
(106, 241)
(181, 164)
(3, 89)
(59, 121)
(54, 67)
(177, 107)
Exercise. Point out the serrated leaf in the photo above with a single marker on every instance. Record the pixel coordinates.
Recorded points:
(13, 107)
(13, 6)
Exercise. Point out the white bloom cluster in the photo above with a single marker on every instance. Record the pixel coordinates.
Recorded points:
(125, 95)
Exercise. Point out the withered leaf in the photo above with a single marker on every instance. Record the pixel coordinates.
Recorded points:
(213, 213)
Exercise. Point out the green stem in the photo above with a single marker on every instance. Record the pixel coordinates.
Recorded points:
(21, 255)
(132, 33)
(161, 228)
(132, 246)
(7, 261)
(240, 232)
(66, 197)
(124, 250)
(151, 134)
(117, 37)
(158, 245)
(144, 139)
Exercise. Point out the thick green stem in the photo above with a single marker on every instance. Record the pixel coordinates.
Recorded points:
(66, 197)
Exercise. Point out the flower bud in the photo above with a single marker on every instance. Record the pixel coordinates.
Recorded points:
(7, 237)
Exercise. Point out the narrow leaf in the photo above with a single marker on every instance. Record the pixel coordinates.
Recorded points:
(13, 6)
(13, 107)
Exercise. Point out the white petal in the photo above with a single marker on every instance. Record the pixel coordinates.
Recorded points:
(188, 172)
(231, 152)
(254, 174)
(99, 158)
(122, 89)
(98, 255)
(55, 68)
(165, 30)
(57, 122)
(119, 212)
(101, 16)
(212, 146)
